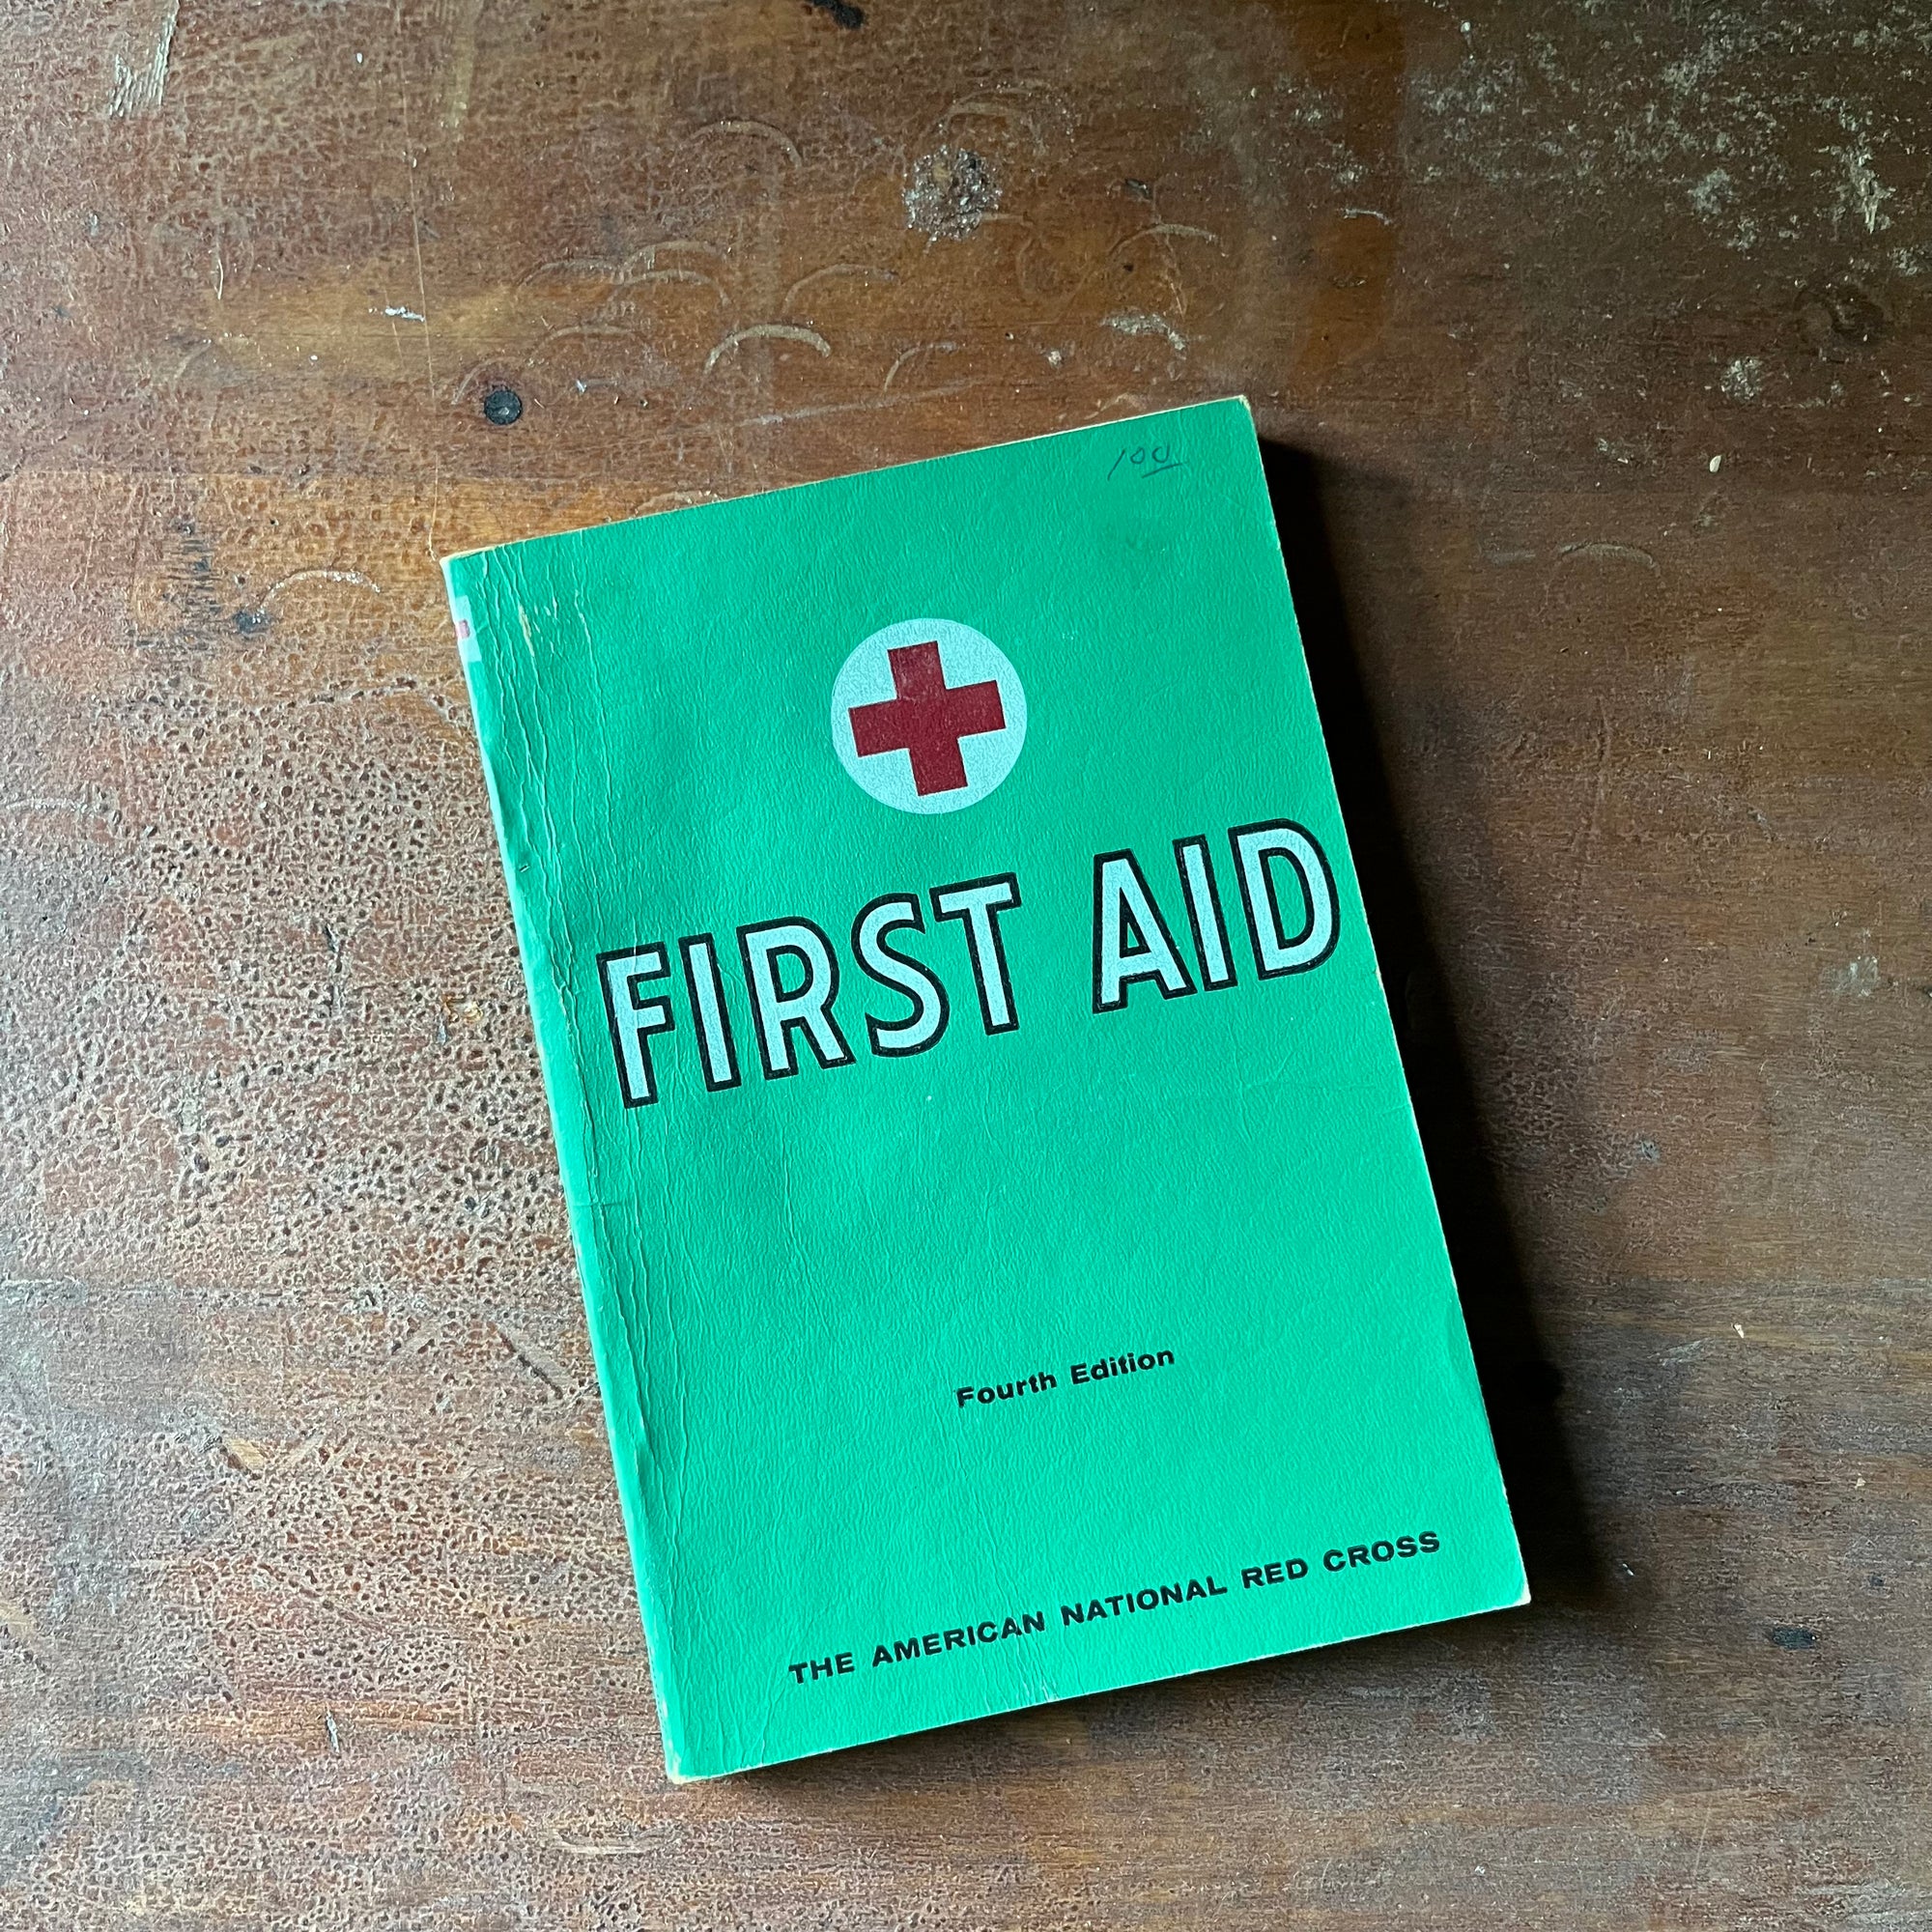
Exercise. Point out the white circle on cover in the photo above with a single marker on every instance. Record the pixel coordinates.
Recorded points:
(928, 715)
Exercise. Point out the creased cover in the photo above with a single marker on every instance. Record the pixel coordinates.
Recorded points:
(1009, 1259)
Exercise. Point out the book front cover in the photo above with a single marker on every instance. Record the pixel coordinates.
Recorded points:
(1009, 1259)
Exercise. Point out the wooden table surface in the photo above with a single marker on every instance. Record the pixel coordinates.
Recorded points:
(1594, 340)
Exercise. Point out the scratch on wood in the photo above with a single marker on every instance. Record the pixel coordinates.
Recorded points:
(1630, 552)
(288, 1581)
(1132, 322)
(1703, 1837)
(991, 105)
(15, 1621)
(597, 330)
(857, 269)
(139, 89)
(535, 1358)
(859, 404)
(72, 805)
(998, 110)
(759, 128)
(318, 573)
(919, 348)
(573, 265)
(470, 376)
(647, 257)
(576, 1848)
(1178, 229)
(416, 241)
(632, 281)
(786, 331)
(1586, 837)
(461, 67)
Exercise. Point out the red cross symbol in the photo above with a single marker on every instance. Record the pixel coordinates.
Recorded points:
(927, 719)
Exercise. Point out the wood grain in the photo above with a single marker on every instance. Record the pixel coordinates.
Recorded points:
(1594, 343)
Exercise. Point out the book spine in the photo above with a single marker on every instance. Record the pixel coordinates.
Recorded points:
(617, 1332)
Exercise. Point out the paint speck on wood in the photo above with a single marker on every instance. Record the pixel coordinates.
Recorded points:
(245, 1453)
(951, 192)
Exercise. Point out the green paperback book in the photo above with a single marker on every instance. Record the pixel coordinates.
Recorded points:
(1009, 1259)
